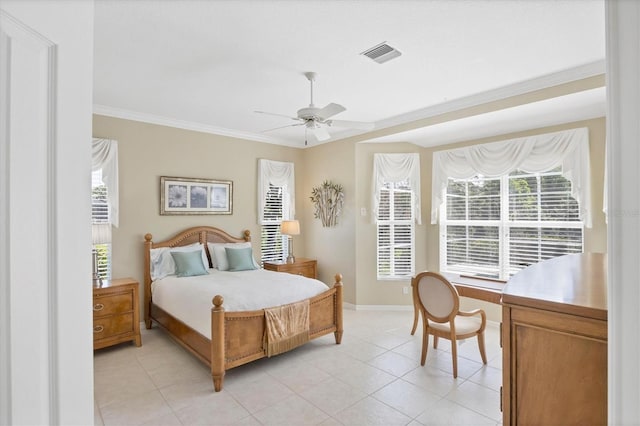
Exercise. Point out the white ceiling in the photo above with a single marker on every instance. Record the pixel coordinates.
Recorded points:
(208, 65)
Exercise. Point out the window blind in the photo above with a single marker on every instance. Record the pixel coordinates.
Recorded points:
(273, 245)
(495, 227)
(100, 216)
(395, 223)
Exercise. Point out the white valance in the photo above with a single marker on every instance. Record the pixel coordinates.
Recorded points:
(276, 173)
(533, 154)
(105, 157)
(396, 168)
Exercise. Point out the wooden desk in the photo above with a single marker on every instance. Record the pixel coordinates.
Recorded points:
(477, 288)
(554, 343)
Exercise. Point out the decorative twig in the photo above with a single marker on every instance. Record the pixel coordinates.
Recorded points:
(328, 199)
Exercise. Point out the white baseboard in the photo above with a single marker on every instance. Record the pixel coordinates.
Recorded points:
(353, 307)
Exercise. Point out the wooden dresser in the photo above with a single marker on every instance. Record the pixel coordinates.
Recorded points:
(554, 343)
(306, 267)
(116, 313)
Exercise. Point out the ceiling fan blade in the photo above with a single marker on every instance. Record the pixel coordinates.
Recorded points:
(278, 115)
(361, 125)
(282, 127)
(329, 111)
(320, 133)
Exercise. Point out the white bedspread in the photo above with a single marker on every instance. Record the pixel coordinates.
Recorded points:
(189, 298)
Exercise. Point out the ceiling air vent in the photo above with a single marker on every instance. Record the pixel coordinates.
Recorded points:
(381, 53)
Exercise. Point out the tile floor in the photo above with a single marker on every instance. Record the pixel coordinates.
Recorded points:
(373, 378)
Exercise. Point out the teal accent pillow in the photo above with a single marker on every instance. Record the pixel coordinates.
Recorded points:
(188, 263)
(240, 259)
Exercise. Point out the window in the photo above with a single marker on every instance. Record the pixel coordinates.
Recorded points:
(395, 207)
(494, 227)
(276, 202)
(273, 244)
(100, 221)
(395, 231)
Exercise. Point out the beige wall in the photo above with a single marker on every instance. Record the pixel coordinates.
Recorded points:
(370, 291)
(148, 151)
(334, 247)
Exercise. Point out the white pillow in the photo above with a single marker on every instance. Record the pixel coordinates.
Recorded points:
(162, 263)
(219, 255)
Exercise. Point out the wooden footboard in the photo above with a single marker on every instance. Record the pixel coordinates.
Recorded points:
(237, 337)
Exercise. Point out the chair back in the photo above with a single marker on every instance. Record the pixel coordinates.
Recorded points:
(437, 296)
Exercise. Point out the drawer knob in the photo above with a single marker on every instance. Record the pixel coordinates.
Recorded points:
(98, 329)
(98, 307)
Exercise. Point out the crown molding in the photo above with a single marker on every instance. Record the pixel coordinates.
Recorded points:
(187, 125)
(554, 79)
(543, 82)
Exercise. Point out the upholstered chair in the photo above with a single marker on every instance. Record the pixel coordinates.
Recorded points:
(438, 302)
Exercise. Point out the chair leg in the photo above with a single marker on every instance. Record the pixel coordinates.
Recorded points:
(415, 319)
(454, 355)
(425, 343)
(481, 346)
(435, 342)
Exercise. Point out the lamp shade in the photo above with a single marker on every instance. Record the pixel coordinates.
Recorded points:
(290, 227)
(101, 233)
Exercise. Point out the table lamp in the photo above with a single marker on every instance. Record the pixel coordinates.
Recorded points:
(289, 228)
(100, 234)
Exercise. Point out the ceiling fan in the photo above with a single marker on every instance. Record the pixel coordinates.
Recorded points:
(317, 120)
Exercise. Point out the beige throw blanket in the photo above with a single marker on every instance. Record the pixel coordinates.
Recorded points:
(287, 327)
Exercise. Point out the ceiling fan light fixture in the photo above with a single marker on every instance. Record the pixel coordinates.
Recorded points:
(381, 53)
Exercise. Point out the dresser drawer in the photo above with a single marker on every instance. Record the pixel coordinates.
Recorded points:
(112, 304)
(112, 326)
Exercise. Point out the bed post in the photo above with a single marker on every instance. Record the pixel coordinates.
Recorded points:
(147, 280)
(338, 308)
(217, 343)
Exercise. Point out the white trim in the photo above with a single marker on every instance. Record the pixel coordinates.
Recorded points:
(49, 380)
(5, 229)
(543, 82)
(52, 237)
(46, 52)
(561, 77)
(382, 307)
(622, 23)
(187, 125)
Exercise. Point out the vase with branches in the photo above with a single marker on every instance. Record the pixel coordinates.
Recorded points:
(328, 200)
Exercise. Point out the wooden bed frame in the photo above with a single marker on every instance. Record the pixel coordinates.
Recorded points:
(237, 337)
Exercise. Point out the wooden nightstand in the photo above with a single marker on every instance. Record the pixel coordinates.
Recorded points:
(306, 267)
(116, 313)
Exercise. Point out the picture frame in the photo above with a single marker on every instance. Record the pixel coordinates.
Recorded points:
(193, 196)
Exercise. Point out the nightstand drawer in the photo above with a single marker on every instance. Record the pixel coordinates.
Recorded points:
(112, 326)
(304, 267)
(112, 304)
(116, 316)
(305, 270)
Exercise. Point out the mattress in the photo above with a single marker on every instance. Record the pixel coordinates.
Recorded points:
(189, 299)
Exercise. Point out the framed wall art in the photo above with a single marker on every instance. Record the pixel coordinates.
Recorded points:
(190, 196)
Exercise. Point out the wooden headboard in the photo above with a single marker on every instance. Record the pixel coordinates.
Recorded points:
(197, 234)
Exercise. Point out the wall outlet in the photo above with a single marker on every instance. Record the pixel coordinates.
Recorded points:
(405, 290)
